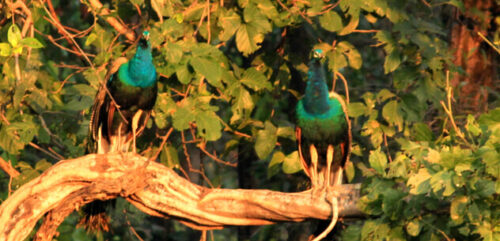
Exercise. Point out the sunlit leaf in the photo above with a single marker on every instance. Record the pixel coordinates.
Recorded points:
(14, 35)
(266, 140)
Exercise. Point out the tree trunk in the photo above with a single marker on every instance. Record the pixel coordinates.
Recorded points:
(474, 55)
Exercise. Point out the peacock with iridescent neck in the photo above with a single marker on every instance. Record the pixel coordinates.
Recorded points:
(119, 115)
(322, 128)
(122, 108)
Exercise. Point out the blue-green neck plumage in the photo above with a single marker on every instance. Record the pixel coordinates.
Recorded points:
(316, 100)
(139, 71)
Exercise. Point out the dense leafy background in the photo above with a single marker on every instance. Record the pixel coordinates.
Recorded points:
(231, 73)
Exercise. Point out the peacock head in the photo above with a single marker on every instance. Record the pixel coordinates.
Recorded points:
(144, 41)
(145, 34)
(318, 54)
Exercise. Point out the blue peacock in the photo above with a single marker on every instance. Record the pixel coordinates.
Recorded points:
(120, 112)
(322, 128)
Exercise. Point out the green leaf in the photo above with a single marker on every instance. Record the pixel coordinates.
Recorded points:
(277, 158)
(398, 168)
(230, 22)
(90, 39)
(421, 132)
(248, 39)
(351, 53)
(392, 62)
(18, 49)
(392, 115)
(255, 80)
(242, 103)
(208, 68)
(5, 49)
(458, 208)
(183, 74)
(440, 180)
(209, 126)
(274, 168)
(267, 8)
(351, 233)
(331, 21)
(351, 26)
(337, 60)
(32, 43)
(42, 165)
(384, 94)
(378, 161)
(350, 171)
(14, 35)
(173, 52)
(291, 163)
(183, 116)
(266, 140)
(8, 141)
(472, 126)
(286, 132)
(356, 109)
(169, 157)
(419, 182)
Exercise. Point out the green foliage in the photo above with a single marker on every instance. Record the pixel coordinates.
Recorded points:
(231, 73)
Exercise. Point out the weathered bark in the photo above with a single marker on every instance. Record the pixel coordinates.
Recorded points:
(159, 191)
(476, 58)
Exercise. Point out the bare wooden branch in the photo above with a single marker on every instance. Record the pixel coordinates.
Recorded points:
(7, 167)
(159, 191)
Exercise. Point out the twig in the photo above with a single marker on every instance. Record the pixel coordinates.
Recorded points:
(60, 27)
(203, 15)
(122, 29)
(208, 25)
(346, 87)
(29, 19)
(448, 109)
(387, 148)
(426, 3)
(54, 16)
(203, 235)
(188, 159)
(365, 30)
(65, 80)
(202, 145)
(131, 227)
(326, 9)
(46, 128)
(300, 13)
(7, 167)
(489, 42)
(164, 141)
(59, 157)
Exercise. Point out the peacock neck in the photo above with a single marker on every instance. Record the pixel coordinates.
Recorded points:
(316, 99)
(139, 71)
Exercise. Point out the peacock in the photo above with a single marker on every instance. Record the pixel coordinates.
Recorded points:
(119, 114)
(323, 132)
(322, 128)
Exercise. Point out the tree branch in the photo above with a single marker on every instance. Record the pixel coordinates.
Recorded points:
(159, 191)
(122, 29)
(7, 167)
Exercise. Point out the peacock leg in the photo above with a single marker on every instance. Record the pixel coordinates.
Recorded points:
(118, 143)
(135, 124)
(329, 161)
(314, 161)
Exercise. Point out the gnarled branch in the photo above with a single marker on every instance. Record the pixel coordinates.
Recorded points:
(159, 191)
